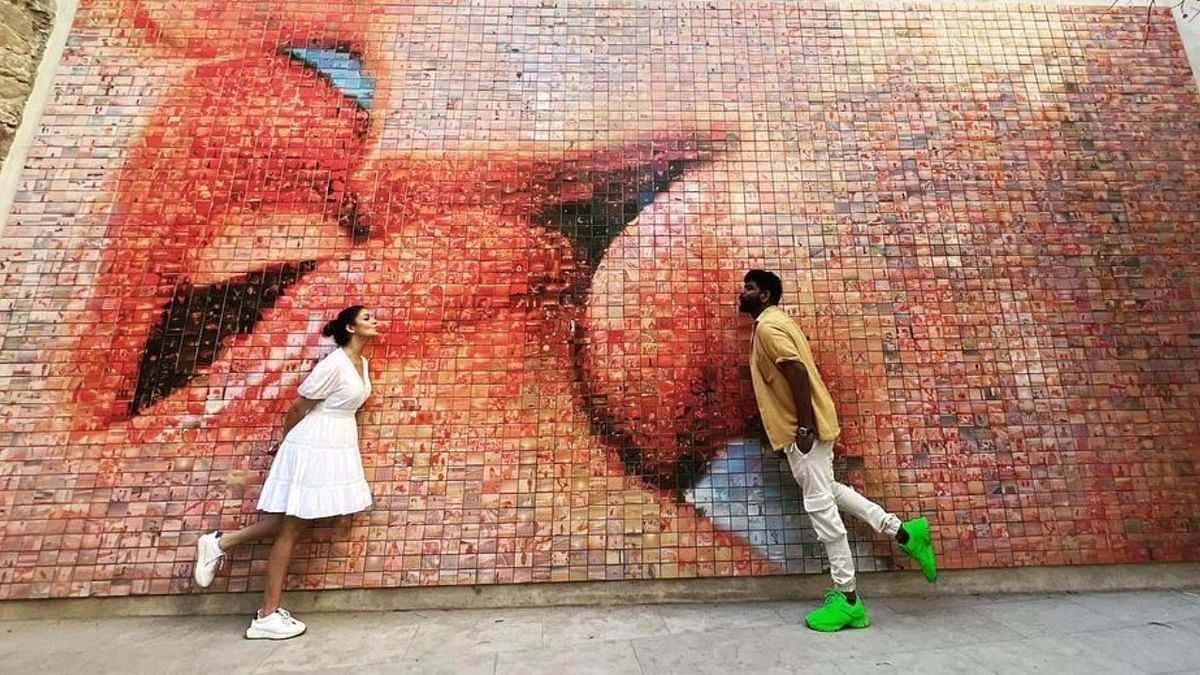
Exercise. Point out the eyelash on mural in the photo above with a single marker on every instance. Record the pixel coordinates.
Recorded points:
(197, 320)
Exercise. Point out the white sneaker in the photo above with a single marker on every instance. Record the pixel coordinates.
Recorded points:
(208, 559)
(278, 625)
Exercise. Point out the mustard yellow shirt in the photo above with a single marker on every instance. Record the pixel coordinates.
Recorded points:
(776, 339)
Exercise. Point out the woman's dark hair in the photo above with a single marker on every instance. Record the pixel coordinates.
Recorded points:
(339, 328)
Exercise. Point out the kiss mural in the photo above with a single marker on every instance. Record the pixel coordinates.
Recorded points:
(985, 220)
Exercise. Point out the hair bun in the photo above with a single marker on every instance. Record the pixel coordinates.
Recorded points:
(339, 328)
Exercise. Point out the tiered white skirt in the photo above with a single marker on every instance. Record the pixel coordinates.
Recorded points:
(318, 471)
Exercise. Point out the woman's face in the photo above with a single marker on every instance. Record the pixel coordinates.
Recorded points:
(366, 325)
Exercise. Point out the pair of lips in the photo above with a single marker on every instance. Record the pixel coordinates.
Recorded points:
(250, 189)
(222, 265)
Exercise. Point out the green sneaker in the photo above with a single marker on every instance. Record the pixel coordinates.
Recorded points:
(920, 547)
(836, 614)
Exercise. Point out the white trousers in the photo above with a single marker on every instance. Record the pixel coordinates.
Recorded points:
(823, 497)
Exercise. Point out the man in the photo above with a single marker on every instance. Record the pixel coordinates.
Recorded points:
(801, 421)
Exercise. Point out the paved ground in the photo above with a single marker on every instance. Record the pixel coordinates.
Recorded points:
(1093, 634)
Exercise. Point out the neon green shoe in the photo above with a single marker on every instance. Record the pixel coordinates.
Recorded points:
(836, 614)
(920, 547)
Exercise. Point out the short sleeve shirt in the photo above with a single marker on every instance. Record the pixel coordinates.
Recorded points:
(777, 338)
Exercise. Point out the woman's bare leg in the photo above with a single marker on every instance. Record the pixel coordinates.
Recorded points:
(281, 555)
(267, 527)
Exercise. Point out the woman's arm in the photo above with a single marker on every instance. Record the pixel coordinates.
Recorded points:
(300, 407)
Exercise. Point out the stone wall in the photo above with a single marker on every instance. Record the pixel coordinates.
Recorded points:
(24, 25)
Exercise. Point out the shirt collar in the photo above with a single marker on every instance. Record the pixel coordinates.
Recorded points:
(766, 314)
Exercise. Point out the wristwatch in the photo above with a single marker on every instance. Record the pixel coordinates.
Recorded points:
(803, 432)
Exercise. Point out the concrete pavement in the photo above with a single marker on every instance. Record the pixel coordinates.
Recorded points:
(1091, 634)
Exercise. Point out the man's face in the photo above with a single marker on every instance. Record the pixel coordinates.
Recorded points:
(752, 299)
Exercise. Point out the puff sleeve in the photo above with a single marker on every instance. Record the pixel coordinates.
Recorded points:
(322, 381)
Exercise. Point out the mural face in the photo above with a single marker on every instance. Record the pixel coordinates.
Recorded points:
(984, 221)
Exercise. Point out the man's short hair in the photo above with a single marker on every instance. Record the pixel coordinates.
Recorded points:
(767, 281)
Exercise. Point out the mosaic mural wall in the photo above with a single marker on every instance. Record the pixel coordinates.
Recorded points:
(985, 219)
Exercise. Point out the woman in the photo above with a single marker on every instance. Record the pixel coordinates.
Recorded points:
(317, 472)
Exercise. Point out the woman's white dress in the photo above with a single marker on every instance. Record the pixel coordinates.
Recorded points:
(318, 470)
